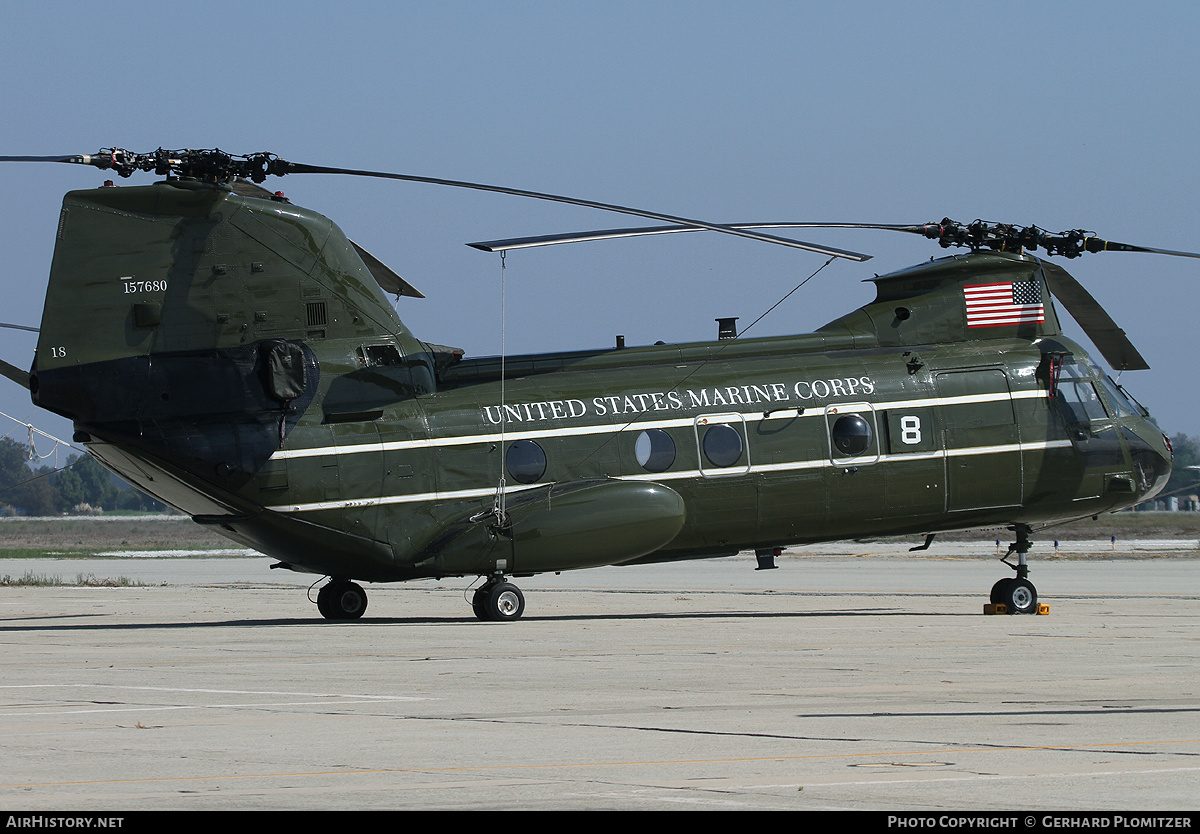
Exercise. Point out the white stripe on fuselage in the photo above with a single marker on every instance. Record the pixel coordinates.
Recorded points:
(612, 428)
(794, 466)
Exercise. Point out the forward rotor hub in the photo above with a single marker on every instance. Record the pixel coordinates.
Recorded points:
(1002, 237)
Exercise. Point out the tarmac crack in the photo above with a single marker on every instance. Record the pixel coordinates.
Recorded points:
(946, 745)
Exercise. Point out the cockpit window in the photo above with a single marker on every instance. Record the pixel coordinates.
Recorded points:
(1077, 391)
(1141, 409)
(1079, 368)
(1080, 400)
(1120, 403)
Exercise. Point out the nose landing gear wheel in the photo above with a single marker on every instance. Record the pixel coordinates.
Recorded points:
(498, 601)
(479, 602)
(1018, 595)
(1021, 597)
(341, 600)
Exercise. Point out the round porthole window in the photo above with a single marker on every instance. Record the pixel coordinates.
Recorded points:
(655, 450)
(851, 435)
(526, 461)
(722, 445)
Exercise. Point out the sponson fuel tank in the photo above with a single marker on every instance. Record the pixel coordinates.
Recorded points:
(566, 526)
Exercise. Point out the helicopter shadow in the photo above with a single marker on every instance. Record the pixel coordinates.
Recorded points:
(28, 624)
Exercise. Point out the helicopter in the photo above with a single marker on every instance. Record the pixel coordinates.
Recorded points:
(235, 356)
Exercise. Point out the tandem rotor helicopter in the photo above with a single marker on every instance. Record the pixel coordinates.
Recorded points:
(234, 355)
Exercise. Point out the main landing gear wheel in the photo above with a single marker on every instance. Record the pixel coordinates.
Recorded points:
(498, 601)
(341, 600)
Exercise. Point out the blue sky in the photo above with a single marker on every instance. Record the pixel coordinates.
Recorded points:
(1064, 115)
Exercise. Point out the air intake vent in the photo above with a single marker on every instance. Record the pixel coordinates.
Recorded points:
(316, 314)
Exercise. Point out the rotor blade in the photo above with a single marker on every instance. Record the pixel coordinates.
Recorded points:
(71, 158)
(19, 327)
(1095, 244)
(215, 165)
(384, 276)
(78, 159)
(15, 374)
(285, 167)
(641, 231)
(1109, 339)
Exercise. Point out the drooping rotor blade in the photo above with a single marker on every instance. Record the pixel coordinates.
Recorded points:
(384, 276)
(12, 371)
(1108, 338)
(280, 166)
(218, 166)
(977, 235)
(15, 374)
(642, 231)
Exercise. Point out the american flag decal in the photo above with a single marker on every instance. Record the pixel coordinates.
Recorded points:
(1006, 302)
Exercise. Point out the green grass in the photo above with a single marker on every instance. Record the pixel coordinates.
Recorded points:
(90, 580)
(94, 553)
(45, 553)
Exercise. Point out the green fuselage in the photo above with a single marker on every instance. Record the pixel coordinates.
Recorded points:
(259, 381)
(969, 439)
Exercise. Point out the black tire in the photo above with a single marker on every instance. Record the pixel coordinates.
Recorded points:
(504, 602)
(1020, 596)
(341, 600)
(999, 589)
(479, 602)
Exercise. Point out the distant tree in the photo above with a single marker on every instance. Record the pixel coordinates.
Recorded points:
(85, 481)
(48, 492)
(20, 488)
(97, 483)
(14, 462)
(38, 496)
(69, 487)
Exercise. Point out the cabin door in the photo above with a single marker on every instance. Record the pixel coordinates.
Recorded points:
(980, 439)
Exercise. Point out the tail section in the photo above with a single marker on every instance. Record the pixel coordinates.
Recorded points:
(181, 320)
